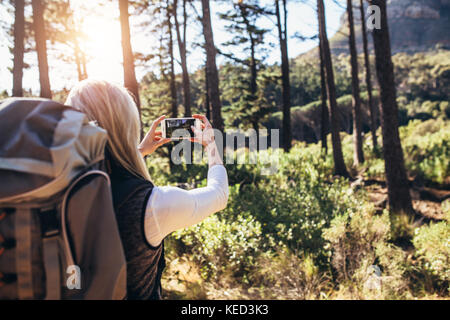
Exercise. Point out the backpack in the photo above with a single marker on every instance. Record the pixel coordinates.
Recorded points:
(59, 237)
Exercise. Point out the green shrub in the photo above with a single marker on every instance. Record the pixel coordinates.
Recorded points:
(286, 275)
(445, 108)
(223, 247)
(303, 233)
(353, 238)
(403, 226)
(432, 243)
(359, 241)
(374, 168)
(446, 209)
(298, 202)
(427, 149)
(290, 208)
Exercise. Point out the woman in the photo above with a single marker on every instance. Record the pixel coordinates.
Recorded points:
(145, 213)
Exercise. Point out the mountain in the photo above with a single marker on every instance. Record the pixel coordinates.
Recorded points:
(415, 26)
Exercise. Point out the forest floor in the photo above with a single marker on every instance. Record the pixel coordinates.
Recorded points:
(426, 200)
(182, 279)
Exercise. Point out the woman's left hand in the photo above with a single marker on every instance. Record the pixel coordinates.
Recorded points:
(153, 139)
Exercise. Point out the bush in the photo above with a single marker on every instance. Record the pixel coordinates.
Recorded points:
(360, 244)
(432, 243)
(222, 247)
(303, 233)
(296, 204)
(427, 149)
(289, 209)
(445, 108)
(353, 239)
(285, 275)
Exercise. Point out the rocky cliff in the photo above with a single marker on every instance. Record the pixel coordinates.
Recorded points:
(415, 25)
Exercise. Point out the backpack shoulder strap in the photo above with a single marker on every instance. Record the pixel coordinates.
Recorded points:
(23, 253)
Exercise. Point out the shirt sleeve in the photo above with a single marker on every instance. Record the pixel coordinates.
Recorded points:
(171, 208)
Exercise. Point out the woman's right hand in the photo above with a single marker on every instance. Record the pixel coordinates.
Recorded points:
(205, 134)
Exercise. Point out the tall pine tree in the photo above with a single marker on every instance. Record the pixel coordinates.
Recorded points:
(396, 178)
(356, 97)
(339, 164)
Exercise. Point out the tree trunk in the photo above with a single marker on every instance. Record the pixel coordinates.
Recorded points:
(213, 74)
(356, 99)
(254, 86)
(182, 49)
(325, 117)
(172, 84)
(396, 178)
(207, 102)
(78, 60)
(253, 70)
(83, 64)
(282, 35)
(41, 47)
(19, 36)
(373, 122)
(129, 74)
(339, 164)
(253, 66)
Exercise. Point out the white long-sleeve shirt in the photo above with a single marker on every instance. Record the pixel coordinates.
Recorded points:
(171, 208)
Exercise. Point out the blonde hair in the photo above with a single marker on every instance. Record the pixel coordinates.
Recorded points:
(115, 111)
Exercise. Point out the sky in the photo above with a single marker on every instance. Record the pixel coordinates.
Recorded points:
(103, 44)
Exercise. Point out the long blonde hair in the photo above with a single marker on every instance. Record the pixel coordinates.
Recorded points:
(115, 111)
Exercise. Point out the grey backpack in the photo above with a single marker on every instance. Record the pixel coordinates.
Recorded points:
(58, 234)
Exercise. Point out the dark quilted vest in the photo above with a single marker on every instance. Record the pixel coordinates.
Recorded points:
(145, 263)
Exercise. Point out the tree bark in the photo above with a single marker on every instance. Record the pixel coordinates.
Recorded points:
(41, 47)
(19, 38)
(356, 98)
(183, 56)
(129, 74)
(207, 102)
(83, 64)
(396, 178)
(253, 66)
(172, 84)
(373, 122)
(339, 164)
(77, 53)
(325, 117)
(282, 35)
(213, 74)
(253, 70)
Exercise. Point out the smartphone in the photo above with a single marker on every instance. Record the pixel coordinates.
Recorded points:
(170, 128)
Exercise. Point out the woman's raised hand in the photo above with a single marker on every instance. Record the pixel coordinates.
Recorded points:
(153, 139)
(205, 134)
